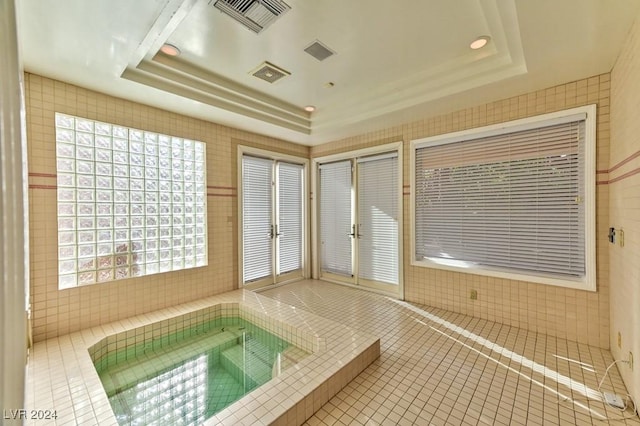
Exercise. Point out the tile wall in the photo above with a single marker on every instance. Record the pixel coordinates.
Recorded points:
(623, 177)
(55, 312)
(576, 315)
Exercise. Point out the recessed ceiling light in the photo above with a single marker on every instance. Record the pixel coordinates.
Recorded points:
(309, 108)
(480, 42)
(170, 49)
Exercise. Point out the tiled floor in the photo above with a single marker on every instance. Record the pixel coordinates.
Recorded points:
(441, 368)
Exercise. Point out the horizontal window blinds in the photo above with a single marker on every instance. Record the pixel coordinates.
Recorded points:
(510, 201)
(290, 217)
(378, 218)
(335, 217)
(257, 213)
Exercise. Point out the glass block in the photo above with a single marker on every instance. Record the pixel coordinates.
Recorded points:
(66, 165)
(87, 278)
(151, 185)
(84, 153)
(137, 270)
(104, 182)
(177, 186)
(102, 128)
(121, 235)
(136, 159)
(165, 197)
(67, 281)
(105, 262)
(200, 251)
(152, 268)
(104, 248)
(86, 237)
(188, 167)
(164, 140)
(137, 246)
(86, 209)
(136, 171)
(199, 167)
(177, 209)
(84, 139)
(165, 221)
(200, 230)
(136, 185)
(85, 167)
(120, 132)
(103, 155)
(86, 195)
(189, 220)
(105, 169)
(103, 142)
(105, 275)
(189, 241)
(120, 196)
(199, 220)
(63, 120)
(189, 262)
(201, 261)
(121, 183)
(122, 273)
(151, 173)
(104, 196)
(122, 222)
(151, 233)
(137, 233)
(86, 181)
(199, 209)
(65, 150)
(188, 178)
(189, 253)
(105, 222)
(177, 221)
(64, 135)
(84, 125)
(189, 187)
(86, 264)
(65, 238)
(164, 185)
(104, 209)
(165, 254)
(177, 198)
(105, 235)
(165, 266)
(66, 209)
(66, 194)
(177, 232)
(120, 157)
(152, 244)
(177, 166)
(137, 221)
(66, 252)
(178, 264)
(151, 256)
(122, 260)
(137, 258)
(66, 179)
(136, 135)
(150, 138)
(137, 209)
(178, 243)
(200, 189)
(199, 179)
(67, 267)
(189, 230)
(85, 223)
(86, 250)
(121, 247)
(66, 224)
(121, 170)
(151, 220)
(200, 240)
(121, 209)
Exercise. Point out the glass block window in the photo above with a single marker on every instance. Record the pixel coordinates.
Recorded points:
(130, 202)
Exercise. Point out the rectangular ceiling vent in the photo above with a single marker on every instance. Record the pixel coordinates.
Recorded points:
(269, 72)
(319, 51)
(253, 14)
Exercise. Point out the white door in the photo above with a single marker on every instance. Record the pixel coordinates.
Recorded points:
(272, 221)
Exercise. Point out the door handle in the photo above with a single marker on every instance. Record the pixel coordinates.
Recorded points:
(277, 234)
(353, 231)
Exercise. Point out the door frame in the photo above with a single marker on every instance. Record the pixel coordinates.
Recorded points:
(292, 276)
(315, 212)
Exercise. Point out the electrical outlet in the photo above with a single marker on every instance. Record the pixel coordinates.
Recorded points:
(474, 295)
(619, 340)
(631, 360)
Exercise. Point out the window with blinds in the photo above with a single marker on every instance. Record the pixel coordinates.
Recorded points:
(290, 217)
(516, 198)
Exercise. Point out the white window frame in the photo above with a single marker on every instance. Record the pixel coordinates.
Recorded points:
(275, 156)
(588, 281)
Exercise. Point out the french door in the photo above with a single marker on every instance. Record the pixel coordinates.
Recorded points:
(273, 221)
(359, 221)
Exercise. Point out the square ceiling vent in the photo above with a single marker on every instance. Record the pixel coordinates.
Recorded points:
(253, 14)
(269, 72)
(319, 50)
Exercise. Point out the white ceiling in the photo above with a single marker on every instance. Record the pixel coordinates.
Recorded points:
(395, 60)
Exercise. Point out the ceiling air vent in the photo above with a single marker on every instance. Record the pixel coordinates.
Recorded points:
(319, 51)
(253, 14)
(269, 72)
